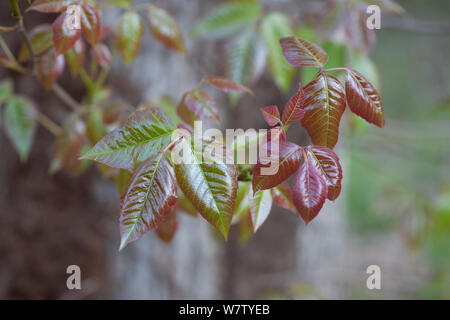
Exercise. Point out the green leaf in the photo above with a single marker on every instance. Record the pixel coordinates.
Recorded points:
(207, 180)
(96, 129)
(274, 27)
(164, 28)
(144, 134)
(75, 57)
(41, 40)
(260, 206)
(129, 35)
(151, 194)
(227, 19)
(69, 146)
(20, 124)
(6, 90)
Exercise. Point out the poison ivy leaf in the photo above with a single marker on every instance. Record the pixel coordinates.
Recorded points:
(101, 54)
(49, 68)
(197, 104)
(167, 103)
(324, 105)
(20, 124)
(272, 115)
(69, 146)
(327, 163)
(299, 52)
(293, 111)
(41, 40)
(164, 28)
(260, 206)
(151, 194)
(246, 57)
(63, 37)
(168, 227)
(50, 6)
(227, 19)
(226, 85)
(309, 191)
(6, 90)
(278, 166)
(207, 181)
(282, 196)
(75, 57)
(129, 35)
(363, 99)
(90, 23)
(275, 26)
(142, 135)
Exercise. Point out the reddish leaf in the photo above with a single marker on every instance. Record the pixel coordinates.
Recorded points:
(101, 54)
(129, 35)
(164, 28)
(68, 146)
(167, 229)
(288, 157)
(282, 196)
(151, 194)
(75, 57)
(49, 68)
(64, 37)
(299, 52)
(41, 40)
(197, 104)
(324, 105)
(327, 162)
(260, 206)
(208, 181)
(309, 191)
(50, 6)
(271, 115)
(226, 85)
(90, 23)
(363, 99)
(293, 111)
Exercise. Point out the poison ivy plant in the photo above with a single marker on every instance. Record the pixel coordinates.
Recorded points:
(160, 164)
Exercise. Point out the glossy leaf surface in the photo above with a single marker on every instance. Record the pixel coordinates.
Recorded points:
(324, 105)
(49, 68)
(129, 35)
(271, 114)
(285, 163)
(282, 196)
(210, 184)
(64, 37)
(142, 135)
(164, 28)
(260, 206)
(299, 52)
(293, 111)
(327, 163)
(20, 124)
(363, 99)
(90, 24)
(309, 191)
(151, 194)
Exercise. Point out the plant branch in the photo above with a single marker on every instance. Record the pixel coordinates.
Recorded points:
(48, 124)
(66, 98)
(25, 37)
